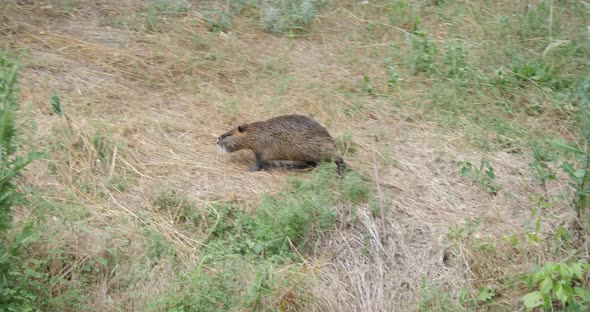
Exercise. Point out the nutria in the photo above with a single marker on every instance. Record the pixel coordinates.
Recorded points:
(295, 140)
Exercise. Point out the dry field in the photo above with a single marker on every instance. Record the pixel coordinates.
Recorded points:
(132, 199)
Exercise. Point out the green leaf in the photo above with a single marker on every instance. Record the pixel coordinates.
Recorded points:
(561, 233)
(546, 285)
(566, 273)
(56, 105)
(558, 292)
(563, 293)
(464, 171)
(561, 144)
(582, 293)
(548, 302)
(548, 268)
(533, 300)
(580, 173)
(570, 170)
(486, 294)
(533, 237)
(24, 236)
(538, 225)
(577, 270)
(490, 173)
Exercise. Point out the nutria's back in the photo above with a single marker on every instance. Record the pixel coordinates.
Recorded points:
(290, 137)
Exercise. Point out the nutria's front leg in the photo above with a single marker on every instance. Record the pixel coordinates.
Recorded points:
(259, 164)
(341, 166)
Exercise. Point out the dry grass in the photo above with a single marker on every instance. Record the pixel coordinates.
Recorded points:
(158, 100)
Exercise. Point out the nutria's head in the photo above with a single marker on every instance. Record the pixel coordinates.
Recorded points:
(235, 139)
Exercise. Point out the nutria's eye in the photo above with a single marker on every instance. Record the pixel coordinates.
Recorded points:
(242, 128)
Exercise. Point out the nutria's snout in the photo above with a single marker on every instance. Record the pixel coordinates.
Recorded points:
(220, 147)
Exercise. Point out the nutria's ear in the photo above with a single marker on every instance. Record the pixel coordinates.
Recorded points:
(242, 127)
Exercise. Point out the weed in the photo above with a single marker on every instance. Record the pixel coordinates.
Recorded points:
(540, 168)
(57, 109)
(234, 283)
(484, 175)
(120, 183)
(423, 53)
(456, 234)
(345, 144)
(393, 74)
(296, 217)
(157, 11)
(103, 148)
(238, 6)
(534, 22)
(367, 85)
(558, 285)
(354, 189)
(455, 59)
(503, 78)
(433, 298)
(280, 16)
(218, 20)
(486, 294)
(14, 296)
(578, 171)
(177, 207)
(534, 229)
(387, 158)
(274, 21)
(158, 248)
(404, 14)
(537, 72)
(300, 216)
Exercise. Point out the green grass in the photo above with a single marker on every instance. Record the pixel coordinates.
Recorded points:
(255, 260)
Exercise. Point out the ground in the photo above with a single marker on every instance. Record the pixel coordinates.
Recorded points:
(411, 90)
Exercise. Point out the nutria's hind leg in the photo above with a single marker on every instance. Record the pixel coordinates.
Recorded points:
(259, 164)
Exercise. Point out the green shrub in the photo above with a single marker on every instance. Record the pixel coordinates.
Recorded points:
(218, 20)
(423, 56)
(558, 285)
(538, 72)
(280, 16)
(13, 295)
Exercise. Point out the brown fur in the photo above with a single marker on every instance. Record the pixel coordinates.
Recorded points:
(296, 140)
